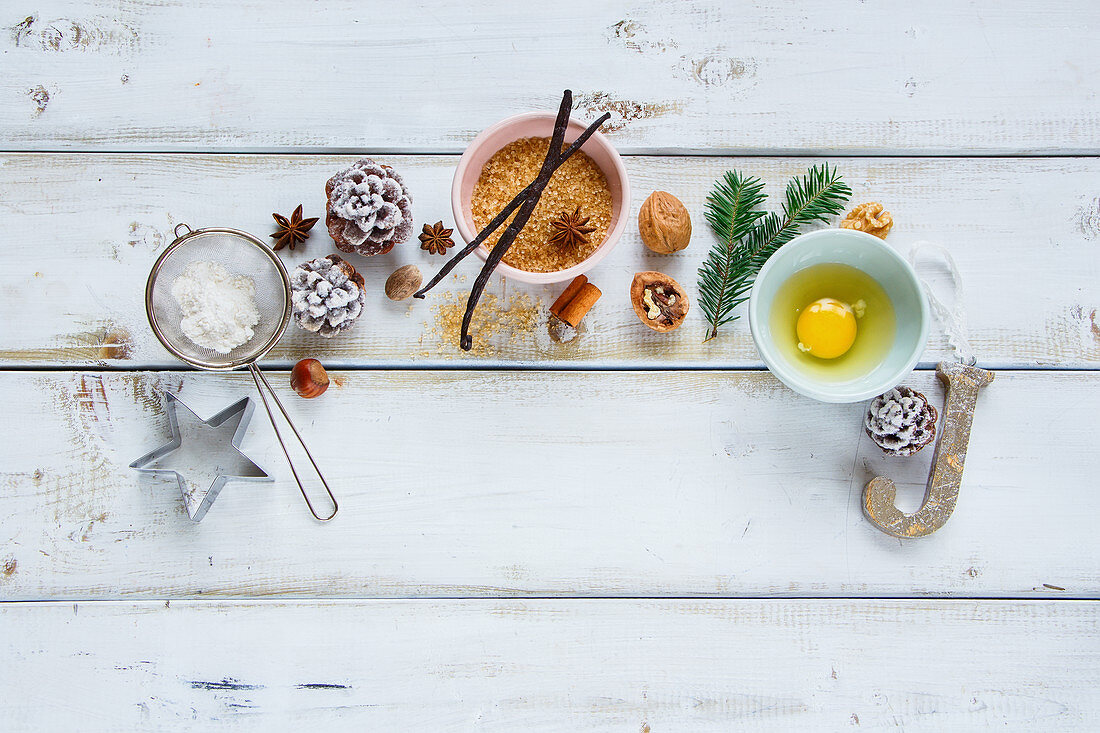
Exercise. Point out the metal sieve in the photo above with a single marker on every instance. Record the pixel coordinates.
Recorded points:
(241, 254)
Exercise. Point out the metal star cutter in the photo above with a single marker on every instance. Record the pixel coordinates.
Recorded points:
(196, 499)
(241, 253)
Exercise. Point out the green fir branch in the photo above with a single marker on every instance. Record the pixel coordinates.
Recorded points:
(731, 211)
(819, 194)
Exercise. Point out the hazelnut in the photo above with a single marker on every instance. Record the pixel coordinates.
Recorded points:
(309, 379)
(659, 301)
(403, 282)
(664, 223)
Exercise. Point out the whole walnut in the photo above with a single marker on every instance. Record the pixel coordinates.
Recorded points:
(664, 223)
(369, 209)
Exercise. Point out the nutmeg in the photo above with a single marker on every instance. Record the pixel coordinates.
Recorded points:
(664, 223)
(403, 282)
(659, 301)
(309, 379)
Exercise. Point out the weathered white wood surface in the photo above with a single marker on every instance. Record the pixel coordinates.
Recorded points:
(1024, 232)
(485, 483)
(552, 665)
(824, 76)
(473, 485)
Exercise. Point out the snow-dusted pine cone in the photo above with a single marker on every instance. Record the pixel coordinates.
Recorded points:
(901, 422)
(369, 209)
(326, 295)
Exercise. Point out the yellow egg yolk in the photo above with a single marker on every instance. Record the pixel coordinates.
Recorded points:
(826, 328)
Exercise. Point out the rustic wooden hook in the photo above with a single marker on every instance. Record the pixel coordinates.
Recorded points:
(962, 382)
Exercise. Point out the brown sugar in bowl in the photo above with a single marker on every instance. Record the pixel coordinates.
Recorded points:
(539, 124)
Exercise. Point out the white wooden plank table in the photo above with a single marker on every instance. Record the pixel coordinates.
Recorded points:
(516, 549)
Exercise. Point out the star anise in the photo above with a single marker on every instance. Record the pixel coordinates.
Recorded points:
(436, 239)
(293, 230)
(570, 230)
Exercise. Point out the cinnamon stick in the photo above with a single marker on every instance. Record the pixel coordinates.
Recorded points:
(578, 307)
(568, 294)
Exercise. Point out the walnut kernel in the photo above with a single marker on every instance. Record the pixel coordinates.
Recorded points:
(870, 218)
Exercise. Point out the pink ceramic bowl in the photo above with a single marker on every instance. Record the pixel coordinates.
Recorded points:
(539, 124)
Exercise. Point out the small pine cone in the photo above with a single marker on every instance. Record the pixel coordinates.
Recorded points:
(369, 209)
(901, 421)
(326, 295)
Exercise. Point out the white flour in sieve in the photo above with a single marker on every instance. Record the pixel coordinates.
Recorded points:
(219, 309)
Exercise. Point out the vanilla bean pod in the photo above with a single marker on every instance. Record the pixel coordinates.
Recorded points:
(553, 152)
(509, 236)
(461, 254)
(493, 225)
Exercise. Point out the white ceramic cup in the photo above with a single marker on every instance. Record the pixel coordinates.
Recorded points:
(539, 124)
(863, 252)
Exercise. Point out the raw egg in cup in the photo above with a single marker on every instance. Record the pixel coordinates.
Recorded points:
(838, 315)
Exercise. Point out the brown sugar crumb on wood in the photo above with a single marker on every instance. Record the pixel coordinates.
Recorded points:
(497, 322)
(578, 184)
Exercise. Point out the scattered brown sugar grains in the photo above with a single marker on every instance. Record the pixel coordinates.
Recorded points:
(579, 185)
(497, 322)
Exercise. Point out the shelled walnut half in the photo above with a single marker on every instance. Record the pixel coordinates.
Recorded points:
(870, 218)
(659, 301)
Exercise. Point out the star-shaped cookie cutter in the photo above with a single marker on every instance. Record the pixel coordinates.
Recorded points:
(198, 504)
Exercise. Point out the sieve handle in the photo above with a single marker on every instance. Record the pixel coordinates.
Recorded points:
(262, 383)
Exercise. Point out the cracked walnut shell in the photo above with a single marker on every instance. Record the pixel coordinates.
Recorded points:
(659, 301)
(870, 218)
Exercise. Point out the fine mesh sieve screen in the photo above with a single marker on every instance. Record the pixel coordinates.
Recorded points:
(240, 256)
